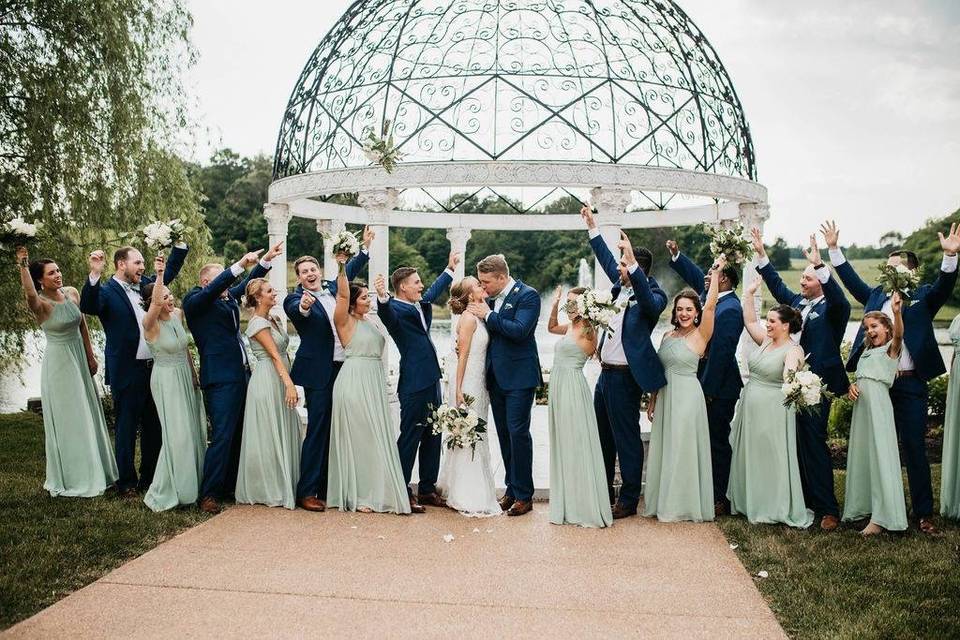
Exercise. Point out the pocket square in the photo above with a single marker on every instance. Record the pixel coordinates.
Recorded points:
(508, 306)
(813, 315)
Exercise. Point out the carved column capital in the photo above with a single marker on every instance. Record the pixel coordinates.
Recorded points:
(278, 218)
(378, 204)
(458, 238)
(611, 205)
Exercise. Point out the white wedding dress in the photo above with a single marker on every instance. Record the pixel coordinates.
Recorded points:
(466, 478)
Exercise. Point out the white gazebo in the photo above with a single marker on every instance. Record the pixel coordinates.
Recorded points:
(621, 103)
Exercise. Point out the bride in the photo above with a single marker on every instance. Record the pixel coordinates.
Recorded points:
(466, 479)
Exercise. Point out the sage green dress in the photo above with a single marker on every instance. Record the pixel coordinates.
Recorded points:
(270, 447)
(364, 469)
(764, 472)
(950, 471)
(679, 472)
(874, 485)
(183, 422)
(578, 484)
(79, 455)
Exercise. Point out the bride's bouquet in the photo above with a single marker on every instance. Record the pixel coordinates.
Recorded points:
(596, 307)
(17, 232)
(344, 242)
(462, 426)
(381, 149)
(730, 243)
(160, 236)
(900, 279)
(803, 390)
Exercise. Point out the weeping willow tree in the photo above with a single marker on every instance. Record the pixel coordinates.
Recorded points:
(90, 104)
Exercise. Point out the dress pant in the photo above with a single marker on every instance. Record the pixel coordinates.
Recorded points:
(225, 404)
(136, 411)
(909, 397)
(616, 402)
(416, 435)
(816, 466)
(720, 413)
(315, 452)
(511, 415)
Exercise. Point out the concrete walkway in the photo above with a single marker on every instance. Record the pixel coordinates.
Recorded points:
(259, 572)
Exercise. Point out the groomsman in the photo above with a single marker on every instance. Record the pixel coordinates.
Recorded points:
(212, 310)
(318, 361)
(129, 361)
(825, 312)
(920, 359)
(629, 363)
(719, 372)
(407, 316)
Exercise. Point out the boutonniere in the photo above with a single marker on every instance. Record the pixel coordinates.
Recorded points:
(508, 306)
(516, 289)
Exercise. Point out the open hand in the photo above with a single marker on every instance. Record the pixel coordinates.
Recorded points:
(813, 252)
(757, 240)
(453, 261)
(557, 295)
(478, 309)
(97, 260)
(753, 287)
(587, 214)
(368, 236)
(274, 251)
(951, 243)
(831, 233)
(626, 247)
(380, 285)
(251, 258)
(673, 248)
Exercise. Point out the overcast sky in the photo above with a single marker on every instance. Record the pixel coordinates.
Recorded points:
(854, 107)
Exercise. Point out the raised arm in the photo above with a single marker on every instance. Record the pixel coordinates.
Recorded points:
(91, 302)
(896, 344)
(385, 310)
(39, 307)
(151, 326)
(859, 289)
(265, 337)
(600, 249)
(781, 292)
(356, 264)
(553, 325)
(443, 281)
(838, 307)
(652, 299)
(943, 286)
(209, 294)
(341, 313)
(709, 313)
(685, 268)
(177, 257)
(750, 321)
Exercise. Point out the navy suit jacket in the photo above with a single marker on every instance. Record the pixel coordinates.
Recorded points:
(419, 366)
(823, 332)
(109, 302)
(641, 316)
(917, 318)
(313, 364)
(719, 372)
(214, 322)
(512, 355)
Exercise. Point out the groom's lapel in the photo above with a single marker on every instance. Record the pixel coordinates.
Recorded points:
(511, 298)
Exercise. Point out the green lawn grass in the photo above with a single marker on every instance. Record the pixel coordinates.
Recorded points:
(840, 585)
(50, 547)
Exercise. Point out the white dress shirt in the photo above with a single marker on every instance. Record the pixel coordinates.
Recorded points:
(823, 275)
(136, 301)
(329, 303)
(612, 350)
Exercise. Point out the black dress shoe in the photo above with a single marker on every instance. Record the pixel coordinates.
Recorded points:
(506, 502)
(620, 511)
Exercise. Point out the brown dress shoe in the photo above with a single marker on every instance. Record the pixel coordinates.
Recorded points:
(829, 523)
(415, 506)
(312, 503)
(210, 505)
(926, 526)
(432, 499)
(720, 509)
(130, 494)
(506, 502)
(620, 511)
(520, 507)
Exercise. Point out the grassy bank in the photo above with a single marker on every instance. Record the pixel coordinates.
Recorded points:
(841, 585)
(53, 546)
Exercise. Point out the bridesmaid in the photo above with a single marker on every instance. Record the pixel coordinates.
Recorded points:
(874, 480)
(270, 447)
(950, 470)
(364, 472)
(80, 460)
(764, 473)
(578, 492)
(176, 392)
(680, 473)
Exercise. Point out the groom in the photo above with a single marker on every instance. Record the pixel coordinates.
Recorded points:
(513, 373)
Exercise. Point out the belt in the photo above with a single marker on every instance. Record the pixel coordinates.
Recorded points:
(614, 367)
(906, 373)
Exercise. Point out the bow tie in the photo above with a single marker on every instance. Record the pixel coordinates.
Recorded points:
(324, 288)
(806, 303)
(627, 291)
(130, 287)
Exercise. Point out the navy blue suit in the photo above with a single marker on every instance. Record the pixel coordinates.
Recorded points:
(821, 337)
(616, 400)
(214, 321)
(419, 384)
(513, 375)
(909, 393)
(129, 378)
(718, 371)
(315, 370)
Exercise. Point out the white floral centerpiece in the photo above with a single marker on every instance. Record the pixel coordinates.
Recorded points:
(596, 306)
(159, 236)
(803, 390)
(344, 242)
(900, 279)
(462, 426)
(730, 243)
(381, 149)
(18, 232)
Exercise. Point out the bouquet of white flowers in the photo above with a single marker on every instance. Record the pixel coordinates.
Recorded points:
(596, 306)
(344, 242)
(900, 279)
(381, 149)
(464, 428)
(159, 236)
(17, 232)
(803, 390)
(730, 243)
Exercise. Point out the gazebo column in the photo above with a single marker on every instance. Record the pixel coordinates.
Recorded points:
(458, 238)
(327, 229)
(611, 206)
(278, 223)
(378, 204)
(752, 215)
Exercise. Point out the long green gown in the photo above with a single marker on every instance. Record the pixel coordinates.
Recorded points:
(679, 472)
(364, 469)
(950, 471)
(764, 472)
(578, 484)
(874, 485)
(79, 455)
(183, 422)
(270, 448)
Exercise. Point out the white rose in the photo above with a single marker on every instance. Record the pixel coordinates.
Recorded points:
(811, 396)
(473, 420)
(603, 297)
(901, 268)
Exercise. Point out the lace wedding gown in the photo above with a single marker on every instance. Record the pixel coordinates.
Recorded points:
(466, 478)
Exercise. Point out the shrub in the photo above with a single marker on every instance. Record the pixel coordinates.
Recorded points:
(841, 414)
(937, 399)
(233, 250)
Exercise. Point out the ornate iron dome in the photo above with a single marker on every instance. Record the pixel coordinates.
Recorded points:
(611, 81)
